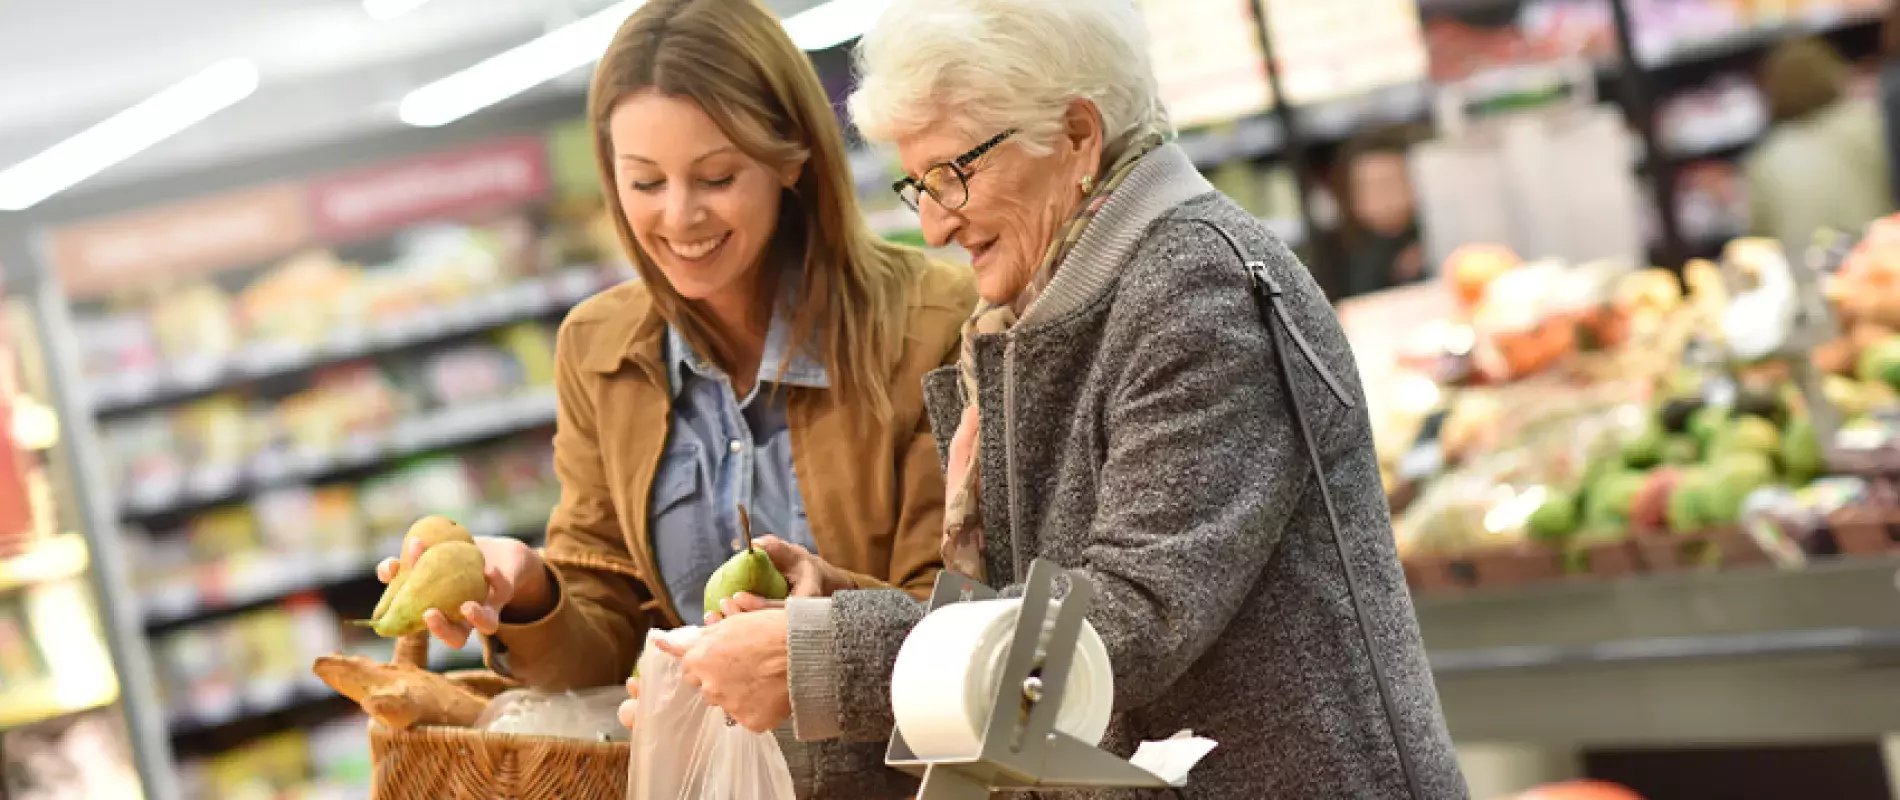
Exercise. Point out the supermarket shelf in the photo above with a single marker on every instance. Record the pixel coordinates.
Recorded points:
(30, 705)
(1724, 149)
(142, 390)
(268, 581)
(1338, 120)
(58, 558)
(1763, 656)
(296, 706)
(447, 429)
(1669, 650)
(1832, 593)
(1251, 137)
(292, 706)
(1464, 6)
(1689, 54)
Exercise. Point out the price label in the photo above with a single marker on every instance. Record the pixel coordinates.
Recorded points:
(1422, 461)
(211, 481)
(347, 342)
(272, 358)
(196, 372)
(360, 448)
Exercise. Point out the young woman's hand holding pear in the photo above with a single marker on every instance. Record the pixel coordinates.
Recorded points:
(518, 586)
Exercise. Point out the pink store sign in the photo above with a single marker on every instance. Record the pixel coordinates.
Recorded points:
(380, 199)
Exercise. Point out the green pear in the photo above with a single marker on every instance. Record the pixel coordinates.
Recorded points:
(446, 576)
(432, 530)
(749, 570)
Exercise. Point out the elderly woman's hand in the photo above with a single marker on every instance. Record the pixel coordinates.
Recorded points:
(630, 707)
(742, 666)
(807, 573)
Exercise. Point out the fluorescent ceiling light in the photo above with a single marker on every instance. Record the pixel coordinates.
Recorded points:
(833, 23)
(390, 9)
(127, 133)
(554, 54)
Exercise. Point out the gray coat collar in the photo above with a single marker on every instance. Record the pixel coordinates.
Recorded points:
(1162, 180)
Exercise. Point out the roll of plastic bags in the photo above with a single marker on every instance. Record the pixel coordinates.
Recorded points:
(686, 749)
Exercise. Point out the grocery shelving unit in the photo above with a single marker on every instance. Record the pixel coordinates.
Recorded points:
(273, 603)
(1735, 656)
(1641, 84)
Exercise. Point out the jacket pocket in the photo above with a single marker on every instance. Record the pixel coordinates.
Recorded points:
(677, 479)
(943, 400)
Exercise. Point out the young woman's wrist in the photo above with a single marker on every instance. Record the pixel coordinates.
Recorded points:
(537, 592)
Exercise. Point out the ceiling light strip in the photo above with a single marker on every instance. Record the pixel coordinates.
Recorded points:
(390, 9)
(127, 133)
(833, 23)
(550, 56)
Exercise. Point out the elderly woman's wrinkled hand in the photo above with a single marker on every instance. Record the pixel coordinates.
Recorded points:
(742, 666)
(741, 603)
(808, 574)
(630, 707)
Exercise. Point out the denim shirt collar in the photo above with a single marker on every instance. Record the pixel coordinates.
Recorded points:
(803, 370)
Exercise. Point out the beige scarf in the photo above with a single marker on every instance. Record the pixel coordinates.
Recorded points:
(963, 539)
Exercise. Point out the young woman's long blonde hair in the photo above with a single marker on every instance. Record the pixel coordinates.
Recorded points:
(734, 59)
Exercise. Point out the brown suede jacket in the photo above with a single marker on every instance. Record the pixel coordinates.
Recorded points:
(873, 492)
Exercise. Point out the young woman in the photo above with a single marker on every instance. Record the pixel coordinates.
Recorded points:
(769, 358)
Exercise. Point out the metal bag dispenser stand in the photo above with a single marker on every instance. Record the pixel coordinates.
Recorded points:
(1021, 750)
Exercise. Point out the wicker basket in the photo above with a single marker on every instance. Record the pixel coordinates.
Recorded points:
(445, 763)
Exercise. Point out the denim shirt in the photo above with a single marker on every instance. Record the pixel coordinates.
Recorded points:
(725, 451)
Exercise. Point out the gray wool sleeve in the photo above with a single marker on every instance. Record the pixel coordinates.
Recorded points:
(842, 652)
(813, 674)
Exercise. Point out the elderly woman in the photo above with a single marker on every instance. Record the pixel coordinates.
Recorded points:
(1119, 410)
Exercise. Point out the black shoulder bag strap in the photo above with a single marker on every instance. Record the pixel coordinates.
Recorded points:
(1267, 296)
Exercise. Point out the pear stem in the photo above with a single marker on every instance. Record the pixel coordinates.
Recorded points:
(745, 527)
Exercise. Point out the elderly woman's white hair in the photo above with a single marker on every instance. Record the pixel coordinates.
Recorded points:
(990, 65)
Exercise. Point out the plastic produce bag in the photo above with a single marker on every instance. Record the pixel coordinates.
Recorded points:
(686, 749)
(589, 714)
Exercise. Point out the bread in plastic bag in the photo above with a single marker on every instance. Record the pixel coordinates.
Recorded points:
(686, 749)
(588, 714)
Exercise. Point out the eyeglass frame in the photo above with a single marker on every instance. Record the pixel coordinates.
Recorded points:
(956, 165)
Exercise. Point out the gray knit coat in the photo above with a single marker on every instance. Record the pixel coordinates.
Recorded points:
(1134, 429)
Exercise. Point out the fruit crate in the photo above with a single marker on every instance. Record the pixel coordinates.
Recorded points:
(1866, 530)
(1512, 565)
(1611, 559)
(1716, 548)
(1436, 573)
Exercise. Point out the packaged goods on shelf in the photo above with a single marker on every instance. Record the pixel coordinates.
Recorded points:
(297, 537)
(81, 755)
(327, 762)
(1730, 111)
(1666, 31)
(249, 664)
(352, 414)
(1544, 31)
(1711, 201)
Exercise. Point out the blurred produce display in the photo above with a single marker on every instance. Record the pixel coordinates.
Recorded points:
(301, 537)
(1556, 421)
(329, 761)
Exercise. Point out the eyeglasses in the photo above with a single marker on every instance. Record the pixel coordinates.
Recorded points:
(947, 181)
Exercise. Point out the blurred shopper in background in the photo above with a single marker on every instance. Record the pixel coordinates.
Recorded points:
(1378, 212)
(1823, 162)
(770, 357)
